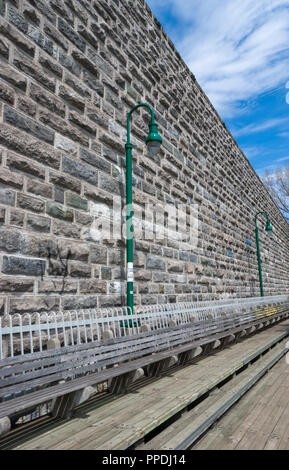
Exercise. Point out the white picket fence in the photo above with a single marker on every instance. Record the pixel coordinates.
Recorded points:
(28, 333)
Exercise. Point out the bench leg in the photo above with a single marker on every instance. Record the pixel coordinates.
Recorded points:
(156, 369)
(5, 425)
(228, 340)
(119, 385)
(240, 335)
(63, 406)
(211, 346)
(190, 355)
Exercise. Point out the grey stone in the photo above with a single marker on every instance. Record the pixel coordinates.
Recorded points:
(80, 170)
(92, 286)
(65, 229)
(98, 254)
(4, 48)
(50, 65)
(39, 188)
(65, 144)
(71, 97)
(26, 304)
(7, 197)
(74, 200)
(65, 181)
(80, 121)
(38, 224)
(11, 179)
(16, 285)
(24, 266)
(42, 6)
(85, 62)
(28, 125)
(6, 93)
(153, 262)
(69, 63)
(28, 146)
(33, 70)
(110, 185)
(25, 166)
(10, 75)
(106, 273)
(58, 211)
(53, 343)
(79, 302)
(94, 160)
(46, 99)
(17, 218)
(79, 270)
(70, 34)
(56, 35)
(30, 203)
(10, 32)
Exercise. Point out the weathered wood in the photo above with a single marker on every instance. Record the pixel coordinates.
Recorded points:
(66, 373)
(71, 361)
(115, 421)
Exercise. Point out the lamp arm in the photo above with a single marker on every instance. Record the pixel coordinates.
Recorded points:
(141, 105)
(256, 217)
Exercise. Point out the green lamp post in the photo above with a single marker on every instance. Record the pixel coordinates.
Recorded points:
(268, 228)
(153, 142)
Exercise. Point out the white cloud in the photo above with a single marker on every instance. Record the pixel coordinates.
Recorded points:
(283, 159)
(237, 49)
(257, 128)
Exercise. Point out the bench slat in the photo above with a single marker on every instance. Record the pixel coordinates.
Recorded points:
(94, 355)
(18, 404)
(71, 374)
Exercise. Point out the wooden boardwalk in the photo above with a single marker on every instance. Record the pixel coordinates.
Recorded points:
(119, 422)
(260, 421)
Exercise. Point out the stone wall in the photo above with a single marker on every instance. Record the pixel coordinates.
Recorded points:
(70, 71)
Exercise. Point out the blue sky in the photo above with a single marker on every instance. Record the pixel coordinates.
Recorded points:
(239, 53)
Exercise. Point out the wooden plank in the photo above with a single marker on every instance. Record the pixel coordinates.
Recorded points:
(115, 341)
(189, 372)
(227, 433)
(102, 380)
(154, 337)
(83, 370)
(112, 351)
(195, 419)
(244, 426)
(66, 388)
(92, 380)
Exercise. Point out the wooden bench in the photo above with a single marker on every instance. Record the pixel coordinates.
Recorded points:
(61, 374)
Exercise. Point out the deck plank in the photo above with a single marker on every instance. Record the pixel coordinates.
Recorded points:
(122, 419)
(259, 421)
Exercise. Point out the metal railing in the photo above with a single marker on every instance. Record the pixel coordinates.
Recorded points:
(30, 332)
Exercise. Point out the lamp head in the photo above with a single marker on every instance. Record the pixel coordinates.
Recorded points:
(154, 140)
(269, 227)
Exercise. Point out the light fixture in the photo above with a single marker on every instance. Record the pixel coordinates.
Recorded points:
(153, 142)
(268, 229)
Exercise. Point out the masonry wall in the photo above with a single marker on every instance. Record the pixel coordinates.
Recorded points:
(69, 73)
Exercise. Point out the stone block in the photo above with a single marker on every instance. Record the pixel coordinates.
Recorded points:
(58, 211)
(76, 201)
(80, 170)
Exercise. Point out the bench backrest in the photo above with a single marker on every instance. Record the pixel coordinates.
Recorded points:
(32, 371)
(22, 334)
